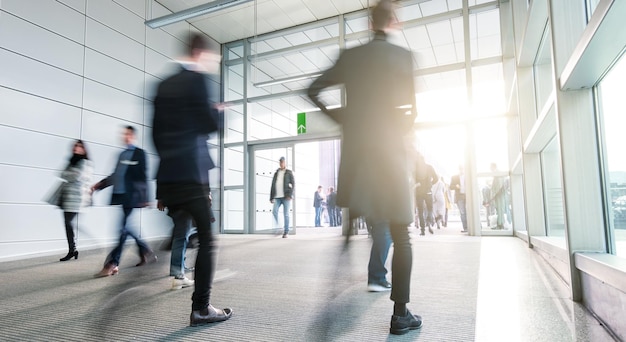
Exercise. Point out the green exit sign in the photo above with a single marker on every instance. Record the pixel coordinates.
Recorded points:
(301, 127)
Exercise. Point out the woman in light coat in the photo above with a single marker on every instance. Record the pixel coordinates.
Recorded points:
(439, 202)
(74, 193)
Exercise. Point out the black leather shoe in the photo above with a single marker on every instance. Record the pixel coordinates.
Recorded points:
(401, 325)
(209, 315)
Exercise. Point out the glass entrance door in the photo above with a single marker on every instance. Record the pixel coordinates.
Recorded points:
(265, 162)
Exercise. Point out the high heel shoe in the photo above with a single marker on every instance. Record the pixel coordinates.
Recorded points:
(70, 254)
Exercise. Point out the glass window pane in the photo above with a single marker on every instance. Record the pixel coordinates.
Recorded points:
(495, 199)
(488, 90)
(612, 103)
(543, 75)
(276, 118)
(233, 124)
(434, 92)
(553, 190)
(234, 82)
(233, 166)
(490, 137)
(233, 210)
(485, 34)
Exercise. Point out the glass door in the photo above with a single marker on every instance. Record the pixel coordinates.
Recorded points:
(264, 163)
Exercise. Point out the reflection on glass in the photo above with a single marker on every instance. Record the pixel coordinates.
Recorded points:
(553, 190)
(495, 202)
(613, 102)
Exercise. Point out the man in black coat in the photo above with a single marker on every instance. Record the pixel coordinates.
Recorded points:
(129, 190)
(183, 119)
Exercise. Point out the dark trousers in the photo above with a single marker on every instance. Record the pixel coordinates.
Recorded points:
(424, 206)
(69, 230)
(402, 262)
(116, 253)
(332, 216)
(199, 210)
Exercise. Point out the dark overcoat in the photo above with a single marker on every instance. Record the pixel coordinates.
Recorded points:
(378, 116)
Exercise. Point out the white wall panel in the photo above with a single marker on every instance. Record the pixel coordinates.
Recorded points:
(40, 79)
(165, 43)
(107, 130)
(107, 70)
(158, 65)
(136, 6)
(99, 223)
(22, 222)
(114, 44)
(155, 223)
(51, 15)
(25, 185)
(33, 149)
(118, 18)
(38, 114)
(78, 5)
(148, 144)
(104, 158)
(104, 99)
(40, 44)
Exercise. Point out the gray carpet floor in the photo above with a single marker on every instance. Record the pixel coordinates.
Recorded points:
(304, 288)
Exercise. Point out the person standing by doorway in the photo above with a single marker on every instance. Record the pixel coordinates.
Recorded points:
(331, 206)
(281, 193)
(317, 204)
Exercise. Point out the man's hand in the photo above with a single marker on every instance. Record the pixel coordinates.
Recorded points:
(272, 201)
(160, 205)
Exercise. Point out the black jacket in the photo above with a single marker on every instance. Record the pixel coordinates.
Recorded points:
(183, 118)
(289, 184)
(135, 182)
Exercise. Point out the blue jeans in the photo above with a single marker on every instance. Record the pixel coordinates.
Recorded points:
(116, 253)
(286, 203)
(402, 261)
(318, 215)
(381, 242)
(180, 238)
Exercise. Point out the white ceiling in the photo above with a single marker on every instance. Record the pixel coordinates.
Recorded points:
(239, 22)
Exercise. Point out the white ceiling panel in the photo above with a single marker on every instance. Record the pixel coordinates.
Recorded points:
(440, 33)
(321, 9)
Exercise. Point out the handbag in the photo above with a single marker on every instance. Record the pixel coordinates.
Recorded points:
(54, 195)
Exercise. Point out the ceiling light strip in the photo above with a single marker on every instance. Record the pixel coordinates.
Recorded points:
(189, 13)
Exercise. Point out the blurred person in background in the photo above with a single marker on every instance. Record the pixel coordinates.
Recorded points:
(376, 125)
(73, 193)
(129, 190)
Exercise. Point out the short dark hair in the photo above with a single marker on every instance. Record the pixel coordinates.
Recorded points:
(197, 41)
(131, 128)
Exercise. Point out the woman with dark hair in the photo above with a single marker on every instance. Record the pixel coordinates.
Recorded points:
(74, 192)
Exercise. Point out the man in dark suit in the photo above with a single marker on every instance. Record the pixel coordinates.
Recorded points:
(457, 183)
(376, 123)
(129, 190)
(183, 119)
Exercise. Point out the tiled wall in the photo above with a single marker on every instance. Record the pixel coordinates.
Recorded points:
(75, 69)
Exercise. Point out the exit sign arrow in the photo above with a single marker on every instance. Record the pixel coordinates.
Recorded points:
(301, 128)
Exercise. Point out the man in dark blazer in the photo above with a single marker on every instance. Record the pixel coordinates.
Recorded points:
(376, 125)
(183, 119)
(129, 191)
